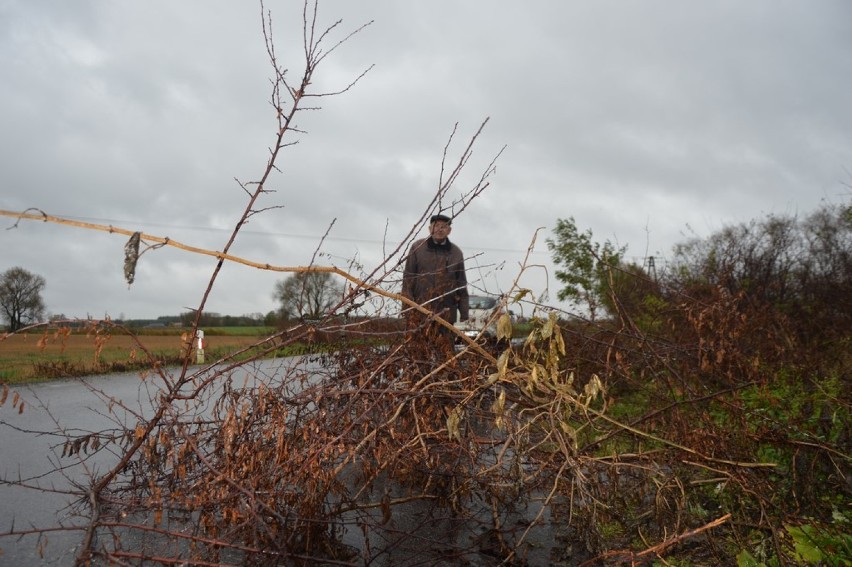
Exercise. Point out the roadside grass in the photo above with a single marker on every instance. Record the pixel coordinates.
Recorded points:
(37, 357)
(65, 353)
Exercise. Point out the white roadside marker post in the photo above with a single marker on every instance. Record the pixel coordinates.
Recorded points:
(199, 352)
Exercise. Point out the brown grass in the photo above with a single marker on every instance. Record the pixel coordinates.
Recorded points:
(35, 357)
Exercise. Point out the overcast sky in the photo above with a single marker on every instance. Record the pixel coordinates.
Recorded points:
(648, 122)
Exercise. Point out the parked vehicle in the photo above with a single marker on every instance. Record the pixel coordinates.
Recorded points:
(483, 314)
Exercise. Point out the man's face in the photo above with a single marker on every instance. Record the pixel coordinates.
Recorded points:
(439, 230)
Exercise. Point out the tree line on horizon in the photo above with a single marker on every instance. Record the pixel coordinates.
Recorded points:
(801, 264)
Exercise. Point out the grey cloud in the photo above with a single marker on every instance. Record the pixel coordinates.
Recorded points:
(639, 119)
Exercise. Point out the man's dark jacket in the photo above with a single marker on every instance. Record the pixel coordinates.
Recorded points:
(436, 271)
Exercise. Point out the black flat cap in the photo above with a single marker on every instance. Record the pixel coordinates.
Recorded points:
(436, 218)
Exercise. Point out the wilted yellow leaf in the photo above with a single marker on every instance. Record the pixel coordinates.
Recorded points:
(498, 407)
(453, 421)
(520, 295)
(570, 432)
(547, 329)
(504, 327)
(593, 388)
(560, 342)
(503, 363)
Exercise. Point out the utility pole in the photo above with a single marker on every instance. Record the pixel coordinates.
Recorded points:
(651, 268)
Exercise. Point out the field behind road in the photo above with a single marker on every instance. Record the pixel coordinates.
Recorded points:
(29, 357)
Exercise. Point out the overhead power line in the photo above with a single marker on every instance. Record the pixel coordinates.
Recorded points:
(270, 234)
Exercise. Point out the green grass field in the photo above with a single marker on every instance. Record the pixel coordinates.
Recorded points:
(30, 357)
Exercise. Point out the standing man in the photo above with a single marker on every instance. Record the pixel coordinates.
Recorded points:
(434, 277)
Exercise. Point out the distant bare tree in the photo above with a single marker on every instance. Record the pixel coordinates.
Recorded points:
(307, 294)
(20, 297)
